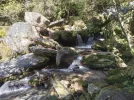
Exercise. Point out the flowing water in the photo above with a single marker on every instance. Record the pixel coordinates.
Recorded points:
(82, 45)
(79, 40)
(75, 66)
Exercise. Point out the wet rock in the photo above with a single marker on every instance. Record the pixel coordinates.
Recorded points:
(60, 53)
(89, 75)
(36, 19)
(100, 61)
(93, 89)
(94, 76)
(46, 42)
(37, 94)
(15, 65)
(19, 37)
(14, 88)
(113, 93)
(63, 53)
(41, 51)
(38, 97)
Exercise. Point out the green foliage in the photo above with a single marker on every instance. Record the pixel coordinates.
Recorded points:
(5, 52)
(3, 30)
(114, 71)
(94, 26)
(2, 33)
(13, 10)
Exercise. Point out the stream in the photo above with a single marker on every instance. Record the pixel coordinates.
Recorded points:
(18, 87)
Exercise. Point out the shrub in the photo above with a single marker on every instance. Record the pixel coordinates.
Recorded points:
(5, 52)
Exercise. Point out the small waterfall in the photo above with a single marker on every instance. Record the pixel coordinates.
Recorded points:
(82, 45)
(79, 41)
(90, 41)
(75, 66)
(75, 63)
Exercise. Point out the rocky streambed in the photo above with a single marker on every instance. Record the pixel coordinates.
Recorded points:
(41, 68)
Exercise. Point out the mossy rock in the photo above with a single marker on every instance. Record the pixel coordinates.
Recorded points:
(104, 45)
(114, 71)
(130, 89)
(67, 38)
(100, 61)
(118, 78)
(55, 35)
(114, 93)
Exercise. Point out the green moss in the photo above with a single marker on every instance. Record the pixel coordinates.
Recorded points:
(100, 84)
(130, 89)
(118, 78)
(114, 71)
(100, 61)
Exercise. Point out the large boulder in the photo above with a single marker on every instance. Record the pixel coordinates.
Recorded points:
(36, 19)
(20, 35)
(16, 65)
(60, 54)
(114, 93)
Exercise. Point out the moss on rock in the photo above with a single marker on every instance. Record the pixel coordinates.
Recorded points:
(118, 78)
(67, 37)
(100, 61)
